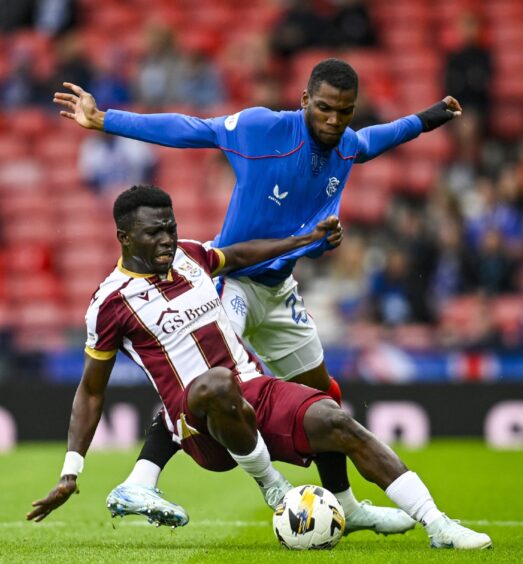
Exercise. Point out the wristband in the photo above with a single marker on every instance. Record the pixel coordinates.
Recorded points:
(73, 464)
(436, 115)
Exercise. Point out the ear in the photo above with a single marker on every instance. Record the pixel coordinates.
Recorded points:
(122, 236)
(304, 99)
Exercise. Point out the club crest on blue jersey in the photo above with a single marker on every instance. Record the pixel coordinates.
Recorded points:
(332, 186)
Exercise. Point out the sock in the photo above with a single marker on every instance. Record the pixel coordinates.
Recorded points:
(334, 391)
(145, 473)
(159, 446)
(348, 502)
(258, 463)
(332, 468)
(411, 494)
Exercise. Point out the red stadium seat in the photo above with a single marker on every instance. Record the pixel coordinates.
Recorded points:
(33, 230)
(13, 147)
(364, 203)
(508, 124)
(92, 261)
(37, 286)
(28, 122)
(28, 258)
(414, 337)
(508, 312)
(22, 174)
(436, 147)
(419, 176)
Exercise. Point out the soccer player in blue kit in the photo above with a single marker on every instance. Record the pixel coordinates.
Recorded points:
(291, 168)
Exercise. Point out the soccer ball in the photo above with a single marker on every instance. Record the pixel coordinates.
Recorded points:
(309, 517)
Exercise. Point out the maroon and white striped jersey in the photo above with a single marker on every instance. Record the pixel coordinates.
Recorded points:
(174, 327)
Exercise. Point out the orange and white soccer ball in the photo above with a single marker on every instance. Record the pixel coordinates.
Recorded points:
(309, 517)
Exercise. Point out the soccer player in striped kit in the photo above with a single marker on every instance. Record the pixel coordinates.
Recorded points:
(161, 308)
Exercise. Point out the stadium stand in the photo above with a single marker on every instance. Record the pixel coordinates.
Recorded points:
(58, 241)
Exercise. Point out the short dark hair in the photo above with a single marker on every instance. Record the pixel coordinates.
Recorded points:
(335, 72)
(136, 196)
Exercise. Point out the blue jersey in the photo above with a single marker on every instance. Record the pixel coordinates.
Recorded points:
(285, 182)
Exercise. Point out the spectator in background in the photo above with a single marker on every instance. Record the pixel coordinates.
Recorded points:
(300, 27)
(510, 190)
(390, 293)
(350, 24)
(20, 87)
(109, 164)
(467, 74)
(70, 61)
(109, 84)
(267, 91)
(410, 232)
(202, 85)
(348, 281)
(50, 17)
(454, 266)
(468, 69)
(366, 113)
(493, 214)
(495, 269)
(162, 70)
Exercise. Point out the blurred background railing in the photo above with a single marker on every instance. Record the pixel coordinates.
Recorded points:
(427, 286)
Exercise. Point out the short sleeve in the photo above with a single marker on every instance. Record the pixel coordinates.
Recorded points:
(103, 330)
(210, 259)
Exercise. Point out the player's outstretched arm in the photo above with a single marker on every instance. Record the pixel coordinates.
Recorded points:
(80, 106)
(241, 255)
(85, 415)
(376, 139)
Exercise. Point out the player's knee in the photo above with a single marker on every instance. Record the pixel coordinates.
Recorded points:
(213, 387)
(344, 431)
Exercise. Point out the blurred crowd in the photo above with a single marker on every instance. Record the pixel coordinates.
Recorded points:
(433, 255)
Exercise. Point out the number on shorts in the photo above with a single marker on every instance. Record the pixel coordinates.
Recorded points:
(297, 316)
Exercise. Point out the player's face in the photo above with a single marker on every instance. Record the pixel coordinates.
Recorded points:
(328, 112)
(150, 243)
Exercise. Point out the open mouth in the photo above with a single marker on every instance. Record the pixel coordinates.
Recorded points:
(165, 258)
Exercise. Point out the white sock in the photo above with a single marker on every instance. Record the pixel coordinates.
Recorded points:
(258, 463)
(145, 473)
(412, 495)
(347, 501)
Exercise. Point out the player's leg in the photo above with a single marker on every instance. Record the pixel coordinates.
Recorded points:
(138, 495)
(286, 339)
(216, 398)
(329, 428)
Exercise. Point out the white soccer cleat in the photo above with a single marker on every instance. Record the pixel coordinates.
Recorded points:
(135, 499)
(384, 520)
(275, 491)
(448, 533)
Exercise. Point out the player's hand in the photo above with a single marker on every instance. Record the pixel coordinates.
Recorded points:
(57, 496)
(330, 227)
(453, 106)
(80, 106)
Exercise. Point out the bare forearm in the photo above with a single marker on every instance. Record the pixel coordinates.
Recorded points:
(85, 415)
(252, 252)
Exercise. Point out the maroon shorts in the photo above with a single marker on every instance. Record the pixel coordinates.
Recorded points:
(280, 407)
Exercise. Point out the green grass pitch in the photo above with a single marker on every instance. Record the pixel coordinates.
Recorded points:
(229, 521)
